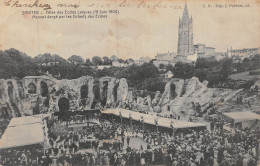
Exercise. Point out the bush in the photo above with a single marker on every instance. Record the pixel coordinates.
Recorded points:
(254, 73)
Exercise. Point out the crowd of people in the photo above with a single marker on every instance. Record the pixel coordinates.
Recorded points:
(28, 155)
(110, 141)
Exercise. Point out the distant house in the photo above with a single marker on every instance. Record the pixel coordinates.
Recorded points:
(162, 70)
(94, 67)
(165, 56)
(234, 70)
(164, 62)
(139, 62)
(101, 67)
(52, 63)
(168, 74)
(162, 76)
(243, 53)
(158, 62)
(142, 60)
(119, 64)
(220, 55)
(236, 59)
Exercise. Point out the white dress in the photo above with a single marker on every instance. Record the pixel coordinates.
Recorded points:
(142, 161)
(152, 142)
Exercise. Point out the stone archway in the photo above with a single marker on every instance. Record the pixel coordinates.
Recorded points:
(4, 113)
(64, 104)
(84, 91)
(84, 94)
(12, 98)
(1, 94)
(10, 89)
(173, 90)
(44, 89)
(96, 91)
(32, 88)
(104, 93)
(115, 91)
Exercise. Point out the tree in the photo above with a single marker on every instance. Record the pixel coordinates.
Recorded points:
(226, 68)
(75, 59)
(206, 63)
(152, 85)
(46, 58)
(57, 58)
(183, 70)
(240, 67)
(170, 67)
(148, 70)
(18, 56)
(121, 60)
(88, 62)
(14, 63)
(151, 61)
(96, 60)
(255, 60)
(201, 63)
(114, 58)
(43, 58)
(70, 71)
(130, 60)
(246, 60)
(107, 61)
(136, 74)
(8, 67)
(200, 74)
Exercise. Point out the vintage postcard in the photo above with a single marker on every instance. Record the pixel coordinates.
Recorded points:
(129, 82)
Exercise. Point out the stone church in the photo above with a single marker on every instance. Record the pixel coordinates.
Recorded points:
(185, 37)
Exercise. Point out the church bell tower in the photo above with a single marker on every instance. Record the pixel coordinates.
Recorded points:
(185, 37)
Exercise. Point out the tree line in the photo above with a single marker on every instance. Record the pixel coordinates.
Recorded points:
(14, 63)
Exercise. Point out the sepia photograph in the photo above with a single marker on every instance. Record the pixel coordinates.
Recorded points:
(129, 83)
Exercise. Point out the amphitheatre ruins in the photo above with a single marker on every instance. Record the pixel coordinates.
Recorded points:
(43, 94)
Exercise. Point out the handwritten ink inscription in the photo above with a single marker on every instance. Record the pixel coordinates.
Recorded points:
(98, 9)
(157, 4)
(36, 3)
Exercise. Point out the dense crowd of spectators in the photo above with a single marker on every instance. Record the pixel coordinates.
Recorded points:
(107, 143)
(28, 155)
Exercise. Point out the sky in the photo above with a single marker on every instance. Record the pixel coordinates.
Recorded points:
(133, 33)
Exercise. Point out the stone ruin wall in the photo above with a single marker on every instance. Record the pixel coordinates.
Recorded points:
(177, 95)
(17, 100)
(41, 94)
(10, 97)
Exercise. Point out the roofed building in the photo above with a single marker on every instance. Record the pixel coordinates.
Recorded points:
(244, 53)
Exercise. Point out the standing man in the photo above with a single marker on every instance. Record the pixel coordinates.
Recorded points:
(123, 140)
(128, 140)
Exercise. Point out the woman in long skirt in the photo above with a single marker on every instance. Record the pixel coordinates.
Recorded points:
(142, 159)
